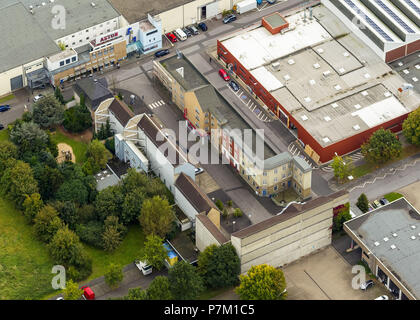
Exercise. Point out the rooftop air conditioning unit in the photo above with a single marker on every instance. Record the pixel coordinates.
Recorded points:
(276, 66)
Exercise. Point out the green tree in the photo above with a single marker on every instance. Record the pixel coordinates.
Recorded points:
(154, 252)
(109, 202)
(49, 180)
(48, 112)
(47, 223)
(219, 266)
(8, 154)
(17, 182)
(185, 282)
(237, 213)
(131, 206)
(363, 203)
(31, 206)
(411, 127)
(262, 282)
(67, 212)
(82, 100)
(72, 291)
(114, 275)
(340, 218)
(29, 137)
(156, 216)
(159, 289)
(65, 247)
(134, 180)
(111, 238)
(219, 204)
(97, 157)
(58, 95)
(136, 294)
(73, 190)
(77, 119)
(381, 147)
(342, 167)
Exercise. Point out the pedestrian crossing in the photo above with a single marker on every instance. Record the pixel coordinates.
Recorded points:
(156, 104)
(251, 105)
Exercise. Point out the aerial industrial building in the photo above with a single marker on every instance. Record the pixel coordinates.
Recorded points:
(319, 79)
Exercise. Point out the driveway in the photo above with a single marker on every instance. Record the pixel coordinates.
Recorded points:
(325, 275)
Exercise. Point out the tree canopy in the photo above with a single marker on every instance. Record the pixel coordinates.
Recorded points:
(382, 146)
(262, 282)
(159, 289)
(154, 252)
(156, 216)
(185, 283)
(48, 112)
(411, 127)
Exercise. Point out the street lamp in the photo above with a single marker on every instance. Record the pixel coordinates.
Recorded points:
(233, 227)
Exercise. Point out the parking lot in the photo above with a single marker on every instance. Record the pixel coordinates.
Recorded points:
(325, 275)
(411, 193)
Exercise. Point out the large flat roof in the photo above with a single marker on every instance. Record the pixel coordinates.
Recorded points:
(393, 225)
(334, 86)
(22, 39)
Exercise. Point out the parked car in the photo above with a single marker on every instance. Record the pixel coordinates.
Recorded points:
(1, 126)
(38, 97)
(187, 32)
(171, 37)
(59, 298)
(384, 297)
(233, 85)
(202, 26)
(5, 108)
(161, 53)
(224, 75)
(229, 18)
(180, 34)
(271, 1)
(383, 201)
(88, 293)
(198, 170)
(366, 285)
(144, 267)
(193, 30)
(377, 203)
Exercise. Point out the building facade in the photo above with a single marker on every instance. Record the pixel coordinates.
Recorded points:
(207, 112)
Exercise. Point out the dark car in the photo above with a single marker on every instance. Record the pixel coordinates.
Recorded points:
(193, 30)
(161, 53)
(271, 1)
(4, 108)
(383, 201)
(202, 26)
(233, 85)
(229, 18)
(1, 126)
(366, 285)
(187, 32)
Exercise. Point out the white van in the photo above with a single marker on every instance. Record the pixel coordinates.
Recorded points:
(180, 34)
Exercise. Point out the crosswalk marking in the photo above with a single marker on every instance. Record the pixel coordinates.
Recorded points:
(156, 104)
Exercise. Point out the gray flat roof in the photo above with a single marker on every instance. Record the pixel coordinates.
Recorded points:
(80, 14)
(22, 39)
(135, 10)
(393, 224)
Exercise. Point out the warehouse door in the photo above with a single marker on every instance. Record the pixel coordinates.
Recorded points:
(16, 83)
(211, 10)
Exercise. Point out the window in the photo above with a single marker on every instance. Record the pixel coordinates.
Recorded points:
(264, 182)
(275, 188)
(276, 171)
(111, 50)
(276, 180)
(87, 38)
(283, 176)
(61, 63)
(265, 174)
(67, 61)
(99, 53)
(73, 59)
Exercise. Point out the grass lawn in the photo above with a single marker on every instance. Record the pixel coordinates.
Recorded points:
(4, 135)
(79, 148)
(130, 249)
(368, 167)
(25, 265)
(393, 196)
(7, 98)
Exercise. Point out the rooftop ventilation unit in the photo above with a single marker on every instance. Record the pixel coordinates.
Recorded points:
(386, 239)
(394, 235)
(413, 227)
(326, 140)
(337, 87)
(376, 243)
(342, 70)
(308, 99)
(334, 105)
(327, 118)
(326, 73)
(312, 82)
(320, 50)
(365, 93)
(346, 54)
(276, 65)
(317, 66)
(291, 62)
(356, 127)
(93, 4)
(357, 106)
(304, 117)
(367, 75)
(413, 237)
(286, 77)
(393, 246)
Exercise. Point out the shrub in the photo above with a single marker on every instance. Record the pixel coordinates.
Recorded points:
(238, 213)
(91, 233)
(219, 204)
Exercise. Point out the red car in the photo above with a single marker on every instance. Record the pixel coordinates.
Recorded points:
(88, 293)
(171, 37)
(224, 75)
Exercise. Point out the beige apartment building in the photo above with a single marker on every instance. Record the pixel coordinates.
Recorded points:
(206, 111)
